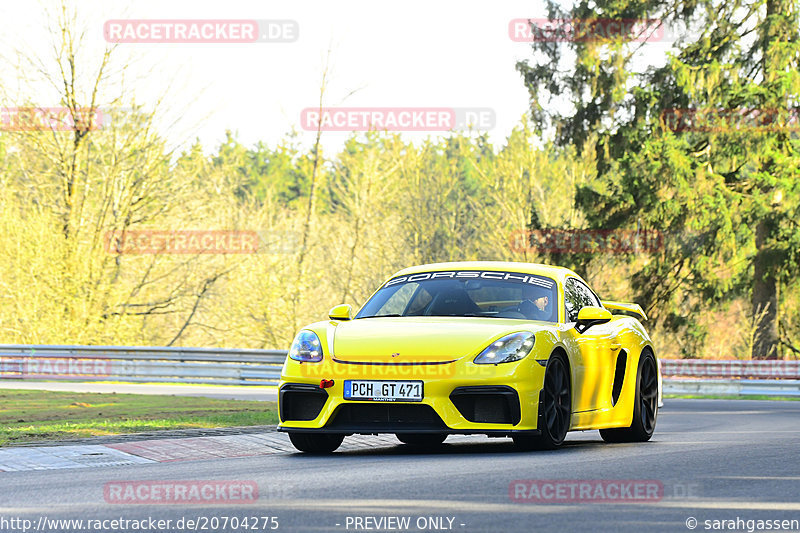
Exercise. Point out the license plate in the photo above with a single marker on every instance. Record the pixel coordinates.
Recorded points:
(383, 391)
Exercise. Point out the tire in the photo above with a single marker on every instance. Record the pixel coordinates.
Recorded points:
(316, 442)
(556, 412)
(645, 407)
(422, 440)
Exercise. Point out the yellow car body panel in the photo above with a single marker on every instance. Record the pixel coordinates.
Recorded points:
(440, 351)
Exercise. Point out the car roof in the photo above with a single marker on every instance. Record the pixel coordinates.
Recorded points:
(556, 272)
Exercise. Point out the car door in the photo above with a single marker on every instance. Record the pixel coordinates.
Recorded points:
(594, 352)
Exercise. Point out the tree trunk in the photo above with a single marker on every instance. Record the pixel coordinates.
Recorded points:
(765, 299)
(765, 288)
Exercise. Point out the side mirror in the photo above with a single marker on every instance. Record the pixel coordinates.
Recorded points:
(342, 312)
(590, 316)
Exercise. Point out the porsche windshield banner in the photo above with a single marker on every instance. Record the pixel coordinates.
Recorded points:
(514, 277)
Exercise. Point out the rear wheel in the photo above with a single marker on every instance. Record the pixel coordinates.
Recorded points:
(316, 442)
(421, 439)
(554, 420)
(645, 408)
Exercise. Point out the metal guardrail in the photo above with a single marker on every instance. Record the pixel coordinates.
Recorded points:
(736, 387)
(740, 378)
(263, 367)
(141, 364)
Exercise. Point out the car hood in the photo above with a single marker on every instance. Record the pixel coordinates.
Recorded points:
(420, 339)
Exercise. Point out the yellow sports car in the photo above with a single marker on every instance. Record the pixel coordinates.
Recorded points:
(518, 350)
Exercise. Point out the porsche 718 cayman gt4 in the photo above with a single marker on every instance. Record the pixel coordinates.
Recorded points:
(519, 350)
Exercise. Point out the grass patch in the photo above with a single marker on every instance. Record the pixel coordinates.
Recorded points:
(731, 397)
(31, 415)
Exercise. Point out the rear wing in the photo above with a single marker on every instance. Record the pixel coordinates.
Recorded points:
(635, 309)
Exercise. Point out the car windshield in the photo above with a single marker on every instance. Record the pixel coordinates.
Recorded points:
(466, 294)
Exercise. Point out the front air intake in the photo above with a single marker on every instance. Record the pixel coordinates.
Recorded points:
(300, 401)
(386, 417)
(489, 404)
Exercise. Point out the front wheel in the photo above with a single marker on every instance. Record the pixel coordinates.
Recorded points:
(421, 440)
(645, 408)
(554, 420)
(316, 442)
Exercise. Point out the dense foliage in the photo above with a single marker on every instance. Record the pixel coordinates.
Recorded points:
(639, 149)
(700, 142)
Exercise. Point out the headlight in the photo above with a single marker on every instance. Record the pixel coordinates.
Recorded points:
(510, 348)
(306, 347)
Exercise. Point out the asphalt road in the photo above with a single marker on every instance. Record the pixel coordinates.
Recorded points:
(709, 460)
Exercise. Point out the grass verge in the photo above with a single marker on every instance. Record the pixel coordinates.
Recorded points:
(30, 415)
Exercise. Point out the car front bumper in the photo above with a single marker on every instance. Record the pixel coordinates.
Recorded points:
(458, 397)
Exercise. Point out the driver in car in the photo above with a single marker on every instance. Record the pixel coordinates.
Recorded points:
(537, 308)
